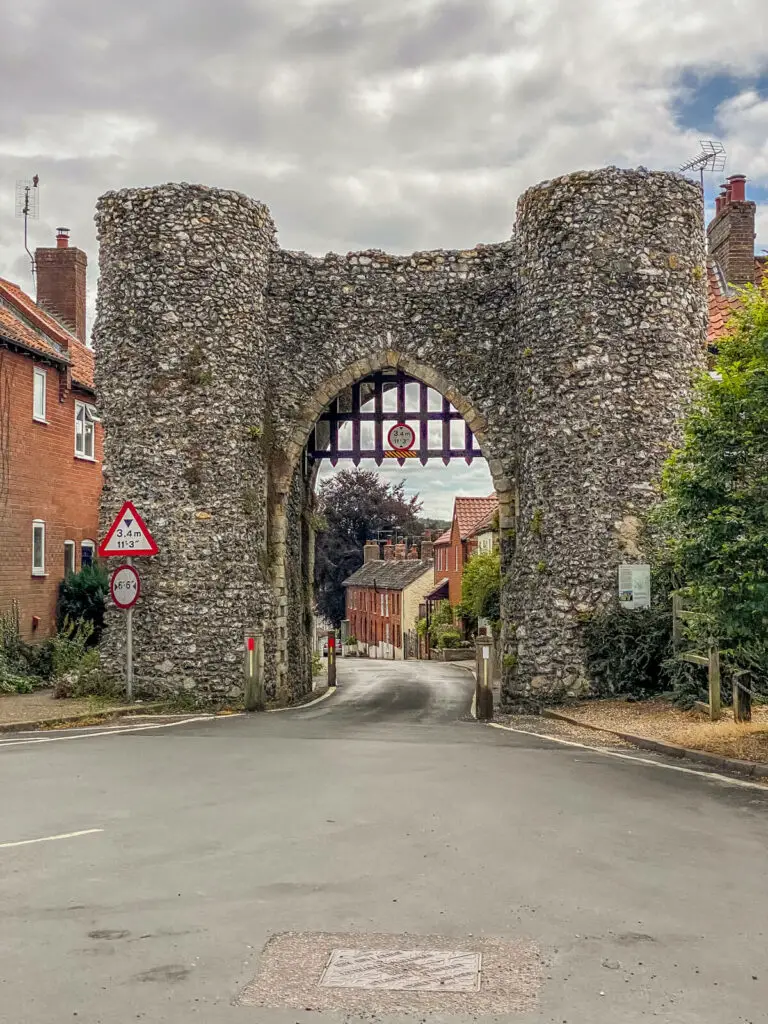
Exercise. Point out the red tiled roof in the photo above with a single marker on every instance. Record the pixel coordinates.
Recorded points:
(444, 538)
(22, 320)
(720, 304)
(471, 512)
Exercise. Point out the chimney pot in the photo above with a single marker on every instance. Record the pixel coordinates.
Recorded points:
(718, 204)
(389, 551)
(737, 184)
(62, 238)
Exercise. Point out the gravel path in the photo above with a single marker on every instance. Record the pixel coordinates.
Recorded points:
(562, 730)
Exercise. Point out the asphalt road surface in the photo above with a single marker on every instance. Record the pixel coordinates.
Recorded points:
(381, 810)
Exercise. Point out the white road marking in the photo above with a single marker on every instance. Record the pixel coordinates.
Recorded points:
(302, 707)
(111, 732)
(728, 779)
(50, 839)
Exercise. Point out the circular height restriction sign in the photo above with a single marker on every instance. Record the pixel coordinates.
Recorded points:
(124, 586)
(401, 437)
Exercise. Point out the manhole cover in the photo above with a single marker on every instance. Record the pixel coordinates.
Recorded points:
(377, 973)
(403, 970)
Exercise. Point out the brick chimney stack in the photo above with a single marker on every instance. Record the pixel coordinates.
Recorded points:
(400, 550)
(371, 552)
(427, 546)
(61, 274)
(731, 233)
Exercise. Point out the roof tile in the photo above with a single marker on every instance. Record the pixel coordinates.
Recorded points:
(391, 575)
(471, 512)
(22, 320)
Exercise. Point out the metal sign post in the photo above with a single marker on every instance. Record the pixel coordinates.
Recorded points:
(125, 587)
(129, 652)
(332, 658)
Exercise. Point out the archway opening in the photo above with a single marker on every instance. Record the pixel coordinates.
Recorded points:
(398, 580)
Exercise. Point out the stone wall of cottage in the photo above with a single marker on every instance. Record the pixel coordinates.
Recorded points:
(568, 349)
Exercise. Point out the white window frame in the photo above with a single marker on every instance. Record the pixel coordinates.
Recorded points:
(69, 545)
(89, 419)
(39, 374)
(91, 545)
(38, 569)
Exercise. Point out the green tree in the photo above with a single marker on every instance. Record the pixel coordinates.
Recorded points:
(481, 586)
(714, 512)
(354, 505)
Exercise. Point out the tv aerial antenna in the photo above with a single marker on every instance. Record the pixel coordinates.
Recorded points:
(711, 158)
(28, 207)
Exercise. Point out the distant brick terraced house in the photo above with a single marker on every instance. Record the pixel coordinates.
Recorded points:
(50, 437)
(471, 530)
(731, 262)
(383, 598)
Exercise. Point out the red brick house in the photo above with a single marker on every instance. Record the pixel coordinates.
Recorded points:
(454, 548)
(383, 598)
(731, 262)
(50, 437)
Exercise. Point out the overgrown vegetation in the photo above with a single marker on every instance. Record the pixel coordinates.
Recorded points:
(709, 537)
(68, 661)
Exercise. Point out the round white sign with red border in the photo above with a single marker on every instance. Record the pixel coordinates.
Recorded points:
(124, 586)
(401, 437)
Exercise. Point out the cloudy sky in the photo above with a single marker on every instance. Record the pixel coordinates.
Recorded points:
(401, 125)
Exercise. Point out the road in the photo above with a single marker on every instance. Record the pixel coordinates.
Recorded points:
(380, 810)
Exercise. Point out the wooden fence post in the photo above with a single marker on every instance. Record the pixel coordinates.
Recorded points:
(742, 698)
(714, 682)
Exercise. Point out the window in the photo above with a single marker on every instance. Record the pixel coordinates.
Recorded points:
(87, 549)
(38, 548)
(85, 417)
(38, 395)
(381, 604)
(69, 557)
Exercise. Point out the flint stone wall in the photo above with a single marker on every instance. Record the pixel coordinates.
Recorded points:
(568, 349)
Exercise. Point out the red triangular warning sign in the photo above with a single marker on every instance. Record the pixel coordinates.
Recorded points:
(128, 535)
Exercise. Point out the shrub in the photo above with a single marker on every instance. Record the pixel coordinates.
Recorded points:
(481, 586)
(317, 663)
(83, 597)
(447, 636)
(627, 650)
(69, 646)
(16, 674)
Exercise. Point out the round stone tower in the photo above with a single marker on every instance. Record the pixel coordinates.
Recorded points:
(611, 324)
(181, 378)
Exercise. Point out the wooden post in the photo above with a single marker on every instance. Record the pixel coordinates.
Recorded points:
(483, 685)
(714, 682)
(254, 672)
(742, 698)
(677, 604)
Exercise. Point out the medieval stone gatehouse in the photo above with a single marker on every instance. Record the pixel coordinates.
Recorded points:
(568, 350)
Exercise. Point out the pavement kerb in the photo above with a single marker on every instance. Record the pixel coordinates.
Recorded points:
(749, 768)
(75, 720)
(310, 703)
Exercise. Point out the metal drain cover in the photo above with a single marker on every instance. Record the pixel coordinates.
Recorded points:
(403, 970)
